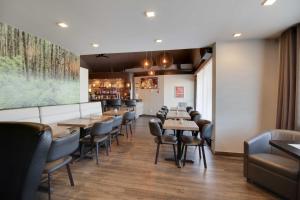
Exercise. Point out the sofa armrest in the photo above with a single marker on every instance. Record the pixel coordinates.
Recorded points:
(258, 144)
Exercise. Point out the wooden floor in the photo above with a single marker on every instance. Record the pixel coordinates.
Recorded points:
(129, 173)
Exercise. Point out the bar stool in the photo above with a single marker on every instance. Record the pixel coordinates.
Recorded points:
(99, 135)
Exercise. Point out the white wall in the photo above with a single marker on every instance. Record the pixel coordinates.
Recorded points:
(171, 81)
(154, 99)
(84, 84)
(246, 82)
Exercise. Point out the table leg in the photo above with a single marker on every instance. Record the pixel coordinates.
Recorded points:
(179, 148)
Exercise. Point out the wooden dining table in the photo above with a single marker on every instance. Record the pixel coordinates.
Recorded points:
(119, 112)
(178, 115)
(179, 126)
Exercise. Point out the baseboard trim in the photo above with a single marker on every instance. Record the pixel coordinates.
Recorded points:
(221, 153)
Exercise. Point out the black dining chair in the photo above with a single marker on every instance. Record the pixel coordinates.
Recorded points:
(195, 115)
(99, 135)
(114, 103)
(116, 129)
(205, 128)
(128, 119)
(24, 148)
(189, 109)
(60, 156)
(155, 130)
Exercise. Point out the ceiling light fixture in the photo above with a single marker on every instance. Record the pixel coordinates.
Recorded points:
(148, 62)
(158, 40)
(150, 14)
(62, 24)
(268, 2)
(236, 35)
(95, 45)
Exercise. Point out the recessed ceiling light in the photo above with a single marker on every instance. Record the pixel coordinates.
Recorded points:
(236, 35)
(158, 40)
(150, 14)
(95, 45)
(63, 24)
(268, 2)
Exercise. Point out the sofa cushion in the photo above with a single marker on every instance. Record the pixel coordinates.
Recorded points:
(54, 114)
(279, 164)
(21, 114)
(93, 108)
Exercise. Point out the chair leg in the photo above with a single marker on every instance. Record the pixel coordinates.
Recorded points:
(175, 156)
(97, 153)
(203, 154)
(106, 146)
(49, 186)
(70, 175)
(126, 131)
(117, 139)
(81, 150)
(130, 129)
(185, 152)
(157, 152)
(199, 151)
(109, 142)
(121, 129)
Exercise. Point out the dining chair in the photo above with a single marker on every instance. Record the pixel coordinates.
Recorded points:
(205, 127)
(155, 130)
(60, 156)
(128, 119)
(116, 129)
(189, 109)
(131, 104)
(99, 135)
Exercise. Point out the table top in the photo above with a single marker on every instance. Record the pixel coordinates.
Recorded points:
(182, 125)
(286, 147)
(178, 115)
(61, 131)
(83, 122)
(178, 108)
(122, 111)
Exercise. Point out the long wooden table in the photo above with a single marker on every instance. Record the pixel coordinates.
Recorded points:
(178, 115)
(180, 126)
(83, 122)
(180, 109)
(120, 112)
(61, 131)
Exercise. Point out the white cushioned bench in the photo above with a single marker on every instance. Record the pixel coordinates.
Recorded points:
(21, 115)
(54, 114)
(92, 108)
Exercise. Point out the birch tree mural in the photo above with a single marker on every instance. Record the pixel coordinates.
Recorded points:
(35, 72)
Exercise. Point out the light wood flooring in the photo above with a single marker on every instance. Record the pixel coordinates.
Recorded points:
(129, 173)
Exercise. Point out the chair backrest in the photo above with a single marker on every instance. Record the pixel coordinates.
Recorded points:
(64, 146)
(161, 116)
(117, 121)
(21, 115)
(196, 117)
(128, 116)
(114, 102)
(130, 103)
(24, 148)
(205, 128)
(102, 128)
(155, 128)
(189, 108)
(165, 108)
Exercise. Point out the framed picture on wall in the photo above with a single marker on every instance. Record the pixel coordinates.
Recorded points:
(179, 91)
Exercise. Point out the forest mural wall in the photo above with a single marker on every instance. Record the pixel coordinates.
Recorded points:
(35, 72)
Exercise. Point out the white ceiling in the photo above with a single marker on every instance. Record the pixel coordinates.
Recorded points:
(120, 25)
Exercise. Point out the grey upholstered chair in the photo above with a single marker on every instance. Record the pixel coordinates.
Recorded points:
(195, 115)
(205, 128)
(189, 109)
(155, 130)
(128, 119)
(131, 104)
(99, 134)
(271, 168)
(116, 129)
(60, 156)
(24, 148)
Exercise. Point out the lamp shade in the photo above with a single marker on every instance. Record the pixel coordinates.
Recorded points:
(164, 60)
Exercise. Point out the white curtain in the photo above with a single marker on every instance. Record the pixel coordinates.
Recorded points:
(204, 91)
